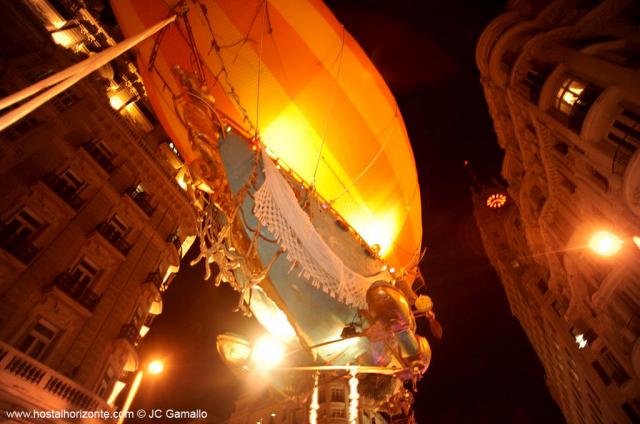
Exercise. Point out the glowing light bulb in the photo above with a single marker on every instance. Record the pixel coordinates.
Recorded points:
(155, 367)
(267, 353)
(605, 243)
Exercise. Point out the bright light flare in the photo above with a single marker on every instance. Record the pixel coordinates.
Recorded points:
(581, 341)
(155, 367)
(605, 243)
(636, 240)
(267, 353)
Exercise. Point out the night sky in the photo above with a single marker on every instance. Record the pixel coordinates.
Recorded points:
(484, 370)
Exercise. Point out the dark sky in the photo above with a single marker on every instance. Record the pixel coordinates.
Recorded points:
(484, 370)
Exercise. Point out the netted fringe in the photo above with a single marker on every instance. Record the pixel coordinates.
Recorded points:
(277, 209)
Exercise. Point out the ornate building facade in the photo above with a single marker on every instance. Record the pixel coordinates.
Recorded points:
(273, 408)
(92, 223)
(562, 84)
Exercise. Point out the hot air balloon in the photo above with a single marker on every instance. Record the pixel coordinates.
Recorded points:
(300, 170)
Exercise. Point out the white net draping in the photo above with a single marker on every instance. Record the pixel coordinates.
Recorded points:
(277, 208)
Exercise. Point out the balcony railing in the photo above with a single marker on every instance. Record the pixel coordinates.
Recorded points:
(18, 246)
(141, 199)
(77, 290)
(103, 160)
(62, 188)
(114, 237)
(27, 375)
(130, 333)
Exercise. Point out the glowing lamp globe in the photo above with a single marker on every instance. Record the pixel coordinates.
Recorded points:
(605, 243)
(267, 353)
(155, 367)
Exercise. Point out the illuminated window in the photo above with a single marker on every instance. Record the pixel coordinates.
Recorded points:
(568, 94)
(38, 341)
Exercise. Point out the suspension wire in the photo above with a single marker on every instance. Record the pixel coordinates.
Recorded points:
(372, 161)
(194, 47)
(331, 105)
(264, 22)
(230, 91)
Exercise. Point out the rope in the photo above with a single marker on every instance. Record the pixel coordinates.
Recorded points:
(371, 162)
(264, 21)
(331, 104)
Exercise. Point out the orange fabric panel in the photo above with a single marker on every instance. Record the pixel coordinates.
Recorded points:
(301, 103)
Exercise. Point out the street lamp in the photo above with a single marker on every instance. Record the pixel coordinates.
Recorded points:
(154, 367)
(605, 243)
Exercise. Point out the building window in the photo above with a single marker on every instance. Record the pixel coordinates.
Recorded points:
(535, 79)
(105, 383)
(103, 148)
(609, 369)
(64, 100)
(337, 394)
(573, 100)
(118, 226)
(322, 397)
(625, 134)
(70, 182)
(568, 95)
(84, 272)
(21, 128)
(338, 413)
(22, 225)
(39, 340)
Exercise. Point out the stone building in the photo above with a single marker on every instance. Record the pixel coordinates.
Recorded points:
(562, 85)
(273, 408)
(92, 223)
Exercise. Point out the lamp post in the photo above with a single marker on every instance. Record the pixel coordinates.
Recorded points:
(154, 367)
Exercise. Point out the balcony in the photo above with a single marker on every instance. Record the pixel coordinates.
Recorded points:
(64, 190)
(18, 246)
(77, 291)
(103, 160)
(130, 333)
(114, 237)
(27, 381)
(141, 199)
